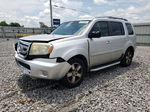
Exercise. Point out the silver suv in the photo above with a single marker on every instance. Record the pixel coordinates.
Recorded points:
(75, 48)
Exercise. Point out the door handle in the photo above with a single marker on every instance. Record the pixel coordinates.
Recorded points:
(108, 42)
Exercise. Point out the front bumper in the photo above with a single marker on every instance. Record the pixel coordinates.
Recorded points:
(43, 68)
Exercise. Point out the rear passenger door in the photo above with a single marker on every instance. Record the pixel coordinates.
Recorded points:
(117, 39)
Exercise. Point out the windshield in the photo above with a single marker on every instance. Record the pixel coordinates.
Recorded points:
(71, 28)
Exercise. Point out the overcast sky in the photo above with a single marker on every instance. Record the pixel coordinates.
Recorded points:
(30, 12)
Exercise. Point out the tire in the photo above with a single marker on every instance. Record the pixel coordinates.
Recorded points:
(75, 75)
(127, 59)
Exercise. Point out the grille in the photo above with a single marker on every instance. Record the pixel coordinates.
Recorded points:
(23, 48)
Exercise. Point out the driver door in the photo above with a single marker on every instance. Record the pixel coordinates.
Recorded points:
(100, 49)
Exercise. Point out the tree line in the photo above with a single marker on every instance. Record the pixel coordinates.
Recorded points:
(12, 24)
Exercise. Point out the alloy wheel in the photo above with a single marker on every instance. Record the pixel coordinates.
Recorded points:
(75, 73)
(128, 57)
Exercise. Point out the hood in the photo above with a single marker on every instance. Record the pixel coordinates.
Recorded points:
(44, 38)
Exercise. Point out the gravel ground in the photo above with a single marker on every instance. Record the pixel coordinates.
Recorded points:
(114, 89)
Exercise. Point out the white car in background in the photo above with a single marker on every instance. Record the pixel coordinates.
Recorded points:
(75, 48)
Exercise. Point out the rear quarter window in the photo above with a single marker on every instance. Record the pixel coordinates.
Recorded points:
(129, 29)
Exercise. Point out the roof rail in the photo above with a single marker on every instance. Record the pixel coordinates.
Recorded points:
(111, 17)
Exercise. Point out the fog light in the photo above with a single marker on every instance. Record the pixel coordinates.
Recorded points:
(45, 73)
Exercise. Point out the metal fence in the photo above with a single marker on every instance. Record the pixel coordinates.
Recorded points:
(143, 33)
(15, 32)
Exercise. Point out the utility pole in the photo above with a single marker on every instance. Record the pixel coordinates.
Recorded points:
(51, 13)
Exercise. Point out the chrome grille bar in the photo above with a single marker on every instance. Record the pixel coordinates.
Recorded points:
(23, 48)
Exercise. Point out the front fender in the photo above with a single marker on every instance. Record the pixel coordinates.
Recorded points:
(73, 52)
(69, 49)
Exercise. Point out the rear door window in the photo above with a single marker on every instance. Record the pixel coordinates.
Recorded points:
(116, 28)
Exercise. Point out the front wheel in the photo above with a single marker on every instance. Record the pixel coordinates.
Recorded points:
(127, 59)
(75, 75)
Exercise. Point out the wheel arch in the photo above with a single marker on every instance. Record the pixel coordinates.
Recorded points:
(83, 58)
(131, 48)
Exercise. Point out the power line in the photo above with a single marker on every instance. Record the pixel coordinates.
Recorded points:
(70, 9)
(51, 11)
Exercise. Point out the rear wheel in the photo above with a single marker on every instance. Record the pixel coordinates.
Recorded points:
(127, 59)
(75, 75)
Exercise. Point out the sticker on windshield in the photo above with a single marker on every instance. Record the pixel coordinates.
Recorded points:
(84, 22)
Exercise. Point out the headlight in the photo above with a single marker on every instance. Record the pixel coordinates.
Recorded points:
(41, 49)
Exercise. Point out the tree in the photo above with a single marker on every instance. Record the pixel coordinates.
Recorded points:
(15, 24)
(3, 23)
(12, 24)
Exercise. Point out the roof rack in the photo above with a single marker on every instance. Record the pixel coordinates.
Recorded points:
(111, 17)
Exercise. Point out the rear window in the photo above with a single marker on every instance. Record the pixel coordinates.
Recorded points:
(129, 28)
(116, 29)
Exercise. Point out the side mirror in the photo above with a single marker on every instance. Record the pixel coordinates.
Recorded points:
(95, 34)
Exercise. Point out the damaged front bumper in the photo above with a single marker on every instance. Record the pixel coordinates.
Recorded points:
(43, 68)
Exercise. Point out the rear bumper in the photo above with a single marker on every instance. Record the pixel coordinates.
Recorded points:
(43, 68)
